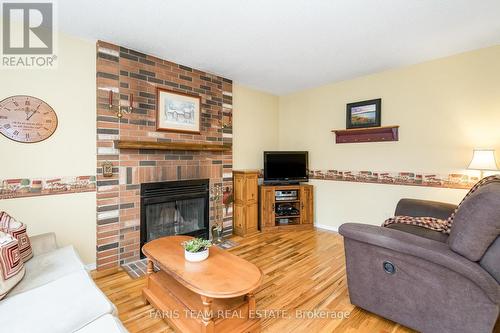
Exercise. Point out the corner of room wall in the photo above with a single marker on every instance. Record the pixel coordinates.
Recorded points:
(445, 108)
(255, 124)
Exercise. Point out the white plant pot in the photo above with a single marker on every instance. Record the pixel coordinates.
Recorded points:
(196, 256)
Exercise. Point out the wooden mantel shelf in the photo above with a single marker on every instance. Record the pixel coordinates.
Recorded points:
(370, 134)
(126, 144)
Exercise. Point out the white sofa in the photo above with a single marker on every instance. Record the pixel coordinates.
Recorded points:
(57, 295)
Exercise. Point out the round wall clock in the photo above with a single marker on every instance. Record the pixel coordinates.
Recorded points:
(26, 119)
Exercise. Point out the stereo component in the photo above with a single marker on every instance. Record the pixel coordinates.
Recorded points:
(287, 195)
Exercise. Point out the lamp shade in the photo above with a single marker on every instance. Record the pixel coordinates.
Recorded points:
(483, 159)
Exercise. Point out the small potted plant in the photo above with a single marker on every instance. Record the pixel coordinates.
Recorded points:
(196, 249)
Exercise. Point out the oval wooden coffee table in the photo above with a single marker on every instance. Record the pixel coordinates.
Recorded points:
(215, 295)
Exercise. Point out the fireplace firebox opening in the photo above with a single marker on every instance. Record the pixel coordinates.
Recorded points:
(174, 208)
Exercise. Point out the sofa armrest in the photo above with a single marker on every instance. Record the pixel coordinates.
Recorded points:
(43, 243)
(433, 251)
(422, 208)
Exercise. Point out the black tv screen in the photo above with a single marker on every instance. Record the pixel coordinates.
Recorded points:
(285, 166)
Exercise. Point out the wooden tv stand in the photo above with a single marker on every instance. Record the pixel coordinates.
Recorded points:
(269, 206)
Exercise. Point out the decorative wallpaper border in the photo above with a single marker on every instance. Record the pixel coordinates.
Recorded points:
(26, 187)
(453, 180)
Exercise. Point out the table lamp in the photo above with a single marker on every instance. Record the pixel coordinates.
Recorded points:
(483, 160)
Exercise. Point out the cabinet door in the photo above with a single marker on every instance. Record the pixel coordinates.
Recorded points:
(267, 206)
(306, 204)
(251, 185)
(239, 219)
(251, 218)
(239, 188)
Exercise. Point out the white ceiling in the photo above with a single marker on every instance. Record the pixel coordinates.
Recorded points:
(281, 46)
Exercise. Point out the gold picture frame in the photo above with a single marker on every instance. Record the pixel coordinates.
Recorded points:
(177, 112)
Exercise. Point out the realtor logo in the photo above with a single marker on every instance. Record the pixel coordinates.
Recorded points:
(28, 35)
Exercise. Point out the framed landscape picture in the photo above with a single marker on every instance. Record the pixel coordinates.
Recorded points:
(364, 114)
(177, 112)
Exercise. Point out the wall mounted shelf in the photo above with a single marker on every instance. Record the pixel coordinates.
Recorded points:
(187, 146)
(371, 134)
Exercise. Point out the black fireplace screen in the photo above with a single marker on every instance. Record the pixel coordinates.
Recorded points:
(174, 208)
(174, 218)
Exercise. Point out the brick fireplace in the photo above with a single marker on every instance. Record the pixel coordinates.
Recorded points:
(126, 72)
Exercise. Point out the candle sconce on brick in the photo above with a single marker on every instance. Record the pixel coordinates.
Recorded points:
(127, 109)
(121, 109)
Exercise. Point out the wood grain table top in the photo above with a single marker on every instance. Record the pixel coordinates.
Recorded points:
(222, 275)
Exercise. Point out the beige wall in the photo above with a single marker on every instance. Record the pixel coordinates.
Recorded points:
(445, 108)
(70, 90)
(255, 126)
(70, 216)
(342, 202)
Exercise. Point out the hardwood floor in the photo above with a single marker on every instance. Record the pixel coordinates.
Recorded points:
(304, 270)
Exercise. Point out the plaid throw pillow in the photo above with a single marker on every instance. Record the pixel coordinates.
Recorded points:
(425, 222)
(16, 229)
(11, 264)
(438, 224)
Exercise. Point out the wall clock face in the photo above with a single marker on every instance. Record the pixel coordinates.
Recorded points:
(26, 119)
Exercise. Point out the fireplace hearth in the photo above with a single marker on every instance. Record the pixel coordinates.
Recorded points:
(174, 208)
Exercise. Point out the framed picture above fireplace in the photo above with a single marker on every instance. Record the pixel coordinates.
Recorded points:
(364, 114)
(177, 112)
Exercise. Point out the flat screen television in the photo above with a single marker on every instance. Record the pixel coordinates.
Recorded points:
(285, 166)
